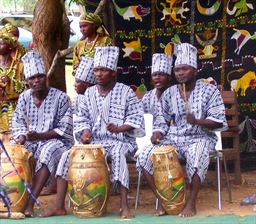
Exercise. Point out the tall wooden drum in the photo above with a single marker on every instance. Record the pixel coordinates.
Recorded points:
(88, 181)
(169, 179)
(10, 181)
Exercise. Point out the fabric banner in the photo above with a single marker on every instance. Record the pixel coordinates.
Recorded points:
(223, 31)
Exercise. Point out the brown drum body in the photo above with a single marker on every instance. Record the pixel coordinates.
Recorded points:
(169, 179)
(12, 183)
(88, 181)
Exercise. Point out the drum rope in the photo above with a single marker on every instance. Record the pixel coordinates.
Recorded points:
(26, 185)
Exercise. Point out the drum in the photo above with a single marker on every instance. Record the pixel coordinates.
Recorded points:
(10, 181)
(169, 179)
(88, 180)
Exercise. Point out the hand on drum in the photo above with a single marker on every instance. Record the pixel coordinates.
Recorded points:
(86, 137)
(33, 135)
(156, 137)
(21, 140)
(113, 128)
(191, 118)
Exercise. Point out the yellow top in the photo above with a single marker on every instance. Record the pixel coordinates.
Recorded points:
(11, 81)
(83, 48)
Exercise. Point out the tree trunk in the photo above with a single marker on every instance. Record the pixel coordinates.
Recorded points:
(51, 33)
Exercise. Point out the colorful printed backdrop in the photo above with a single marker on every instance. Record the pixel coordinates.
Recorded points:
(222, 30)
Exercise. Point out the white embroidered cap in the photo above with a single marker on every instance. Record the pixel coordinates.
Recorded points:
(161, 63)
(33, 64)
(106, 57)
(84, 70)
(186, 55)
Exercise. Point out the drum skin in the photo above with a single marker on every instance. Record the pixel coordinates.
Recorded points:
(11, 182)
(169, 179)
(88, 181)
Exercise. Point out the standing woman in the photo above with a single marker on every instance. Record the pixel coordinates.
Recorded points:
(19, 50)
(94, 35)
(11, 80)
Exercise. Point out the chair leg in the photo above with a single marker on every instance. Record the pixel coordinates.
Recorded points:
(138, 191)
(219, 179)
(227, 178)
(157, 203)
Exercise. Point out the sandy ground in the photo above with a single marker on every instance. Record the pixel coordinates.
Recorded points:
(207, 200)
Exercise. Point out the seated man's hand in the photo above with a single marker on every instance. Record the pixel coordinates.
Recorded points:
(21, 140)
(33, 135)
(86, 137)
(156, 137)
(191, 118)
(113, 128)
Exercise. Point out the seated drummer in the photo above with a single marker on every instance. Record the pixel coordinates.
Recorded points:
(192, 111)
(161, 71)
(110, 114)
(84, 78)
(42, 122)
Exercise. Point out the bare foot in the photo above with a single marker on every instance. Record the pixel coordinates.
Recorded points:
(29, 213)
(254, 208)
(188, 211)
(126, 214)
(54, 212)
(160, 213)
(160, 210)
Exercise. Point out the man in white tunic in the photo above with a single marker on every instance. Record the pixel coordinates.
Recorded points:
(84, 78)
(42, 122)
(111, 115)
(161, 71)
(192, 111)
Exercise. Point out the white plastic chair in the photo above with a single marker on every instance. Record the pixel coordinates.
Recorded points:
(218, 154)
(142, 142)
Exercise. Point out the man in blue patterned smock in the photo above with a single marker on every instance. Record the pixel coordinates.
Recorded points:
(192, 111)
(161, 71)
(42, 122)
(84, 78)
(111, 115)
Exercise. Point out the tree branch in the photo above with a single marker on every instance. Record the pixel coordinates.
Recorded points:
(99, 8)
(59, 54)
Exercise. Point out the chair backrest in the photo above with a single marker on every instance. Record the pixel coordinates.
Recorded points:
(230, 137)
(232, 109)
(144, 141)
(218, 146)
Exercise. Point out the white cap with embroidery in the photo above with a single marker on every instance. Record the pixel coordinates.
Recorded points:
(84, 70)
(161, 63)
(33, 64)
(106, 57)
(186, 55)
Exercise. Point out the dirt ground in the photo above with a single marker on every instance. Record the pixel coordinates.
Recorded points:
(207, 200)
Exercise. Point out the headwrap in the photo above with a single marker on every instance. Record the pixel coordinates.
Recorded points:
(186, 55)
(84, 70)
(161, 63)
(106, 57)
(95, 19)
(33, 64)
(8, 38)
(11, 29)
